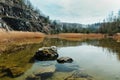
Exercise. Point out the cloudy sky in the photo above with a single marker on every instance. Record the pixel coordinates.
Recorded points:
(77, 11)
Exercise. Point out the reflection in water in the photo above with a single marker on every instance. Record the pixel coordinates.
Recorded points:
(89, 55)
(59, 42)
(111, 45)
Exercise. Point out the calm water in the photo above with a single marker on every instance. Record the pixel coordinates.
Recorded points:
(97, 58)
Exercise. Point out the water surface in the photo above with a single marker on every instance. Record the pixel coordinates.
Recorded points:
(97, 58)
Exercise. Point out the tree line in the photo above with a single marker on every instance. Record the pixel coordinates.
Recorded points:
(60, 27)
(111, 25)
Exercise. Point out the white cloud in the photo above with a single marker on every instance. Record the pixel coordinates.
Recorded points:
(82, 11)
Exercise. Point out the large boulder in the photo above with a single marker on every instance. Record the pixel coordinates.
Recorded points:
(46, 53)
(64, 60)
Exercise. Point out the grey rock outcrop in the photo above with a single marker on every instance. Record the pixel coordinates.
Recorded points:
(20, 16)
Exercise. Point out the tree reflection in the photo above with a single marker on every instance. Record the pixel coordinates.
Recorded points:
(111, 45)
(59, 42)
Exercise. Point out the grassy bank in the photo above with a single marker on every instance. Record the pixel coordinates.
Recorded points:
(8, 40)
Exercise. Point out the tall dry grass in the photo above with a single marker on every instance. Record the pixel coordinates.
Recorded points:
(18, 38)
(16, 35)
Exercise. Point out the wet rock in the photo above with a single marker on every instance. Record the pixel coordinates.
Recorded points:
(64, 60)
(46, 53)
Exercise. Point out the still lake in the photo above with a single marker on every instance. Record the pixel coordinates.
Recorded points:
(99, 59)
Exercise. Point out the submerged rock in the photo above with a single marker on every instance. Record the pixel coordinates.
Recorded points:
(78, 75)
(42, 73)
(45, 69)
(33, 77)
(46, 53)
(64, 60)
(66, 67)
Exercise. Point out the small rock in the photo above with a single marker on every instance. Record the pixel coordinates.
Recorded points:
(64, 60)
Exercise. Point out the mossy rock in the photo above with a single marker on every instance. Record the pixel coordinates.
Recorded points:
(15, 71)
(10, 70)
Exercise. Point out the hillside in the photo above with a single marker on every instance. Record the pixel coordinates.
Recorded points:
(19, 15)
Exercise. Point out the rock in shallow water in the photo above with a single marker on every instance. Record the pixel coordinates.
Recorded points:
(46, 53)
(64, 60)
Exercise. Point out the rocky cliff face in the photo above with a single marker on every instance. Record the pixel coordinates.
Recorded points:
(16, 15)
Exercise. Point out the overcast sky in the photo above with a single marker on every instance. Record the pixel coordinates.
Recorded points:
(77, 11)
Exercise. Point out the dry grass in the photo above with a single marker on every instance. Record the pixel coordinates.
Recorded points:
(16, 38)
(16, 35)
(79, 36)
(76, 36)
